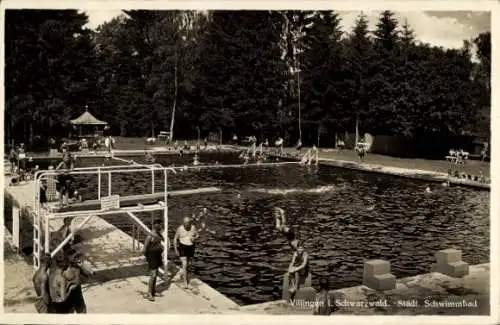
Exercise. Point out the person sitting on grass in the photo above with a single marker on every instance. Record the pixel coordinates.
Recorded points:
(298, 269)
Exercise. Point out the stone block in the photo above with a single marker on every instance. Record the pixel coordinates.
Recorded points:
(456, 269)
(447, 256)
(385, 282)
(380, 282)
(376, 267)
(304, 283)
(306, 294)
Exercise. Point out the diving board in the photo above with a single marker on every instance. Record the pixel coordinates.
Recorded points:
(133, 200)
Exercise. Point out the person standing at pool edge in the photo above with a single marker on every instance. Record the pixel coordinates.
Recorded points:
(298, 269)
(153, 250)
(184, 244)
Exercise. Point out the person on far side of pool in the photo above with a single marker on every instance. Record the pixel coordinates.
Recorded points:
(283, 228)
(149, 158)
(298, 270)
(184, 245)
(64, 179)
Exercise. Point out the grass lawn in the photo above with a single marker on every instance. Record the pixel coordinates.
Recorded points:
(472, 167)
(123, 143)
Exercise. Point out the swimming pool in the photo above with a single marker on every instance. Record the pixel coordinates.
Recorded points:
(346, 216)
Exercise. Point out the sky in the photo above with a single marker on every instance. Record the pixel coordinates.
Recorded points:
(439, 28)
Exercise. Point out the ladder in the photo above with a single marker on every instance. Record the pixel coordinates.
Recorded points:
(37, 249)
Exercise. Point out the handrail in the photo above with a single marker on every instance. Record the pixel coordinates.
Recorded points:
(174, 168)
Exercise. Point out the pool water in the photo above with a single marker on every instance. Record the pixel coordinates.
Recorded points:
(344, 216)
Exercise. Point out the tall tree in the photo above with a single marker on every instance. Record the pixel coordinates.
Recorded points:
(49, 70)
(322, 72)
(386, 115)
(360, 57)
(244, 76)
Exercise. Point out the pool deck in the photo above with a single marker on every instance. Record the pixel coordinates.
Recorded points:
(413, 173)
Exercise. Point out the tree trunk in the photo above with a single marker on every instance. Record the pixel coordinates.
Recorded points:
(172, 120)
(298, 90)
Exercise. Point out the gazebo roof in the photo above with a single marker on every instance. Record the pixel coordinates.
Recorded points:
(87, 119)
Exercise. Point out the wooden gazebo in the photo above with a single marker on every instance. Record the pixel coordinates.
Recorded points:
(88, 122)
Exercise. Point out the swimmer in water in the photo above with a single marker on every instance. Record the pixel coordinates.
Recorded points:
(201, 220)
(428, 190)
(282, 227)
(149, 157)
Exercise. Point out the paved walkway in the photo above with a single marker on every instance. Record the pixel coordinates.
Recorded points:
(120, 274)
(412, 291)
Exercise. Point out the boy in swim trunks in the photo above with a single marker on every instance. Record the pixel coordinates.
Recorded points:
(282, 227)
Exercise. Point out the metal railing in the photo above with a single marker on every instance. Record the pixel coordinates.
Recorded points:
(42, 217)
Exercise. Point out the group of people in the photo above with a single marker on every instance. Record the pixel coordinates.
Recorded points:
(189, 231)
(184, 245)
(58, 280)
(299, 267)
(19, 169)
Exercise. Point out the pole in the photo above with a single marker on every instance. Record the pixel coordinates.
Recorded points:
(45, 221)
(152, 181)
(357, 133)
(165, 222)
(109, 183)
(220, 136)
(98, 183)
(298, 88)
(317, 145)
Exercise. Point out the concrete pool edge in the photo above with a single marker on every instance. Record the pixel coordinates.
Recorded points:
(408, 290)
(430, 176)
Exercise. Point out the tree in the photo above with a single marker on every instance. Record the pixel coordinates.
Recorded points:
(243, 75)
(49, 70)
(360, 57)
(322, 72)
